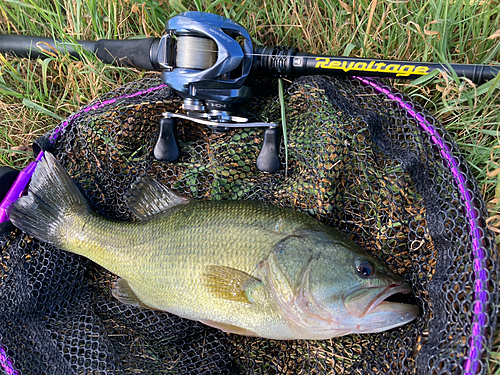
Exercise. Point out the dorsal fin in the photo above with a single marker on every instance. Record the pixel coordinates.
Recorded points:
(147, 197)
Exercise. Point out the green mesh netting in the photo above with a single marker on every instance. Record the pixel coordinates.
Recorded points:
(361, 158)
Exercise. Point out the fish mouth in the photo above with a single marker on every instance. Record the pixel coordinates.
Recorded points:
(380, 302)
(373, 301)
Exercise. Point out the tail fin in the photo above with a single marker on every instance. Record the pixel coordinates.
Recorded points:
(52, 198)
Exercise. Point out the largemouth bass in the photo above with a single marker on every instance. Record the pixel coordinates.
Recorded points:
(245, 267)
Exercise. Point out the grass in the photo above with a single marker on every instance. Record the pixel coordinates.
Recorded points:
(35, 95)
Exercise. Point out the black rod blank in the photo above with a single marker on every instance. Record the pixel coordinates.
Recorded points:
(284, 62)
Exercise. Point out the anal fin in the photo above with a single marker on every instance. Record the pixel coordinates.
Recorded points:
(229, 328)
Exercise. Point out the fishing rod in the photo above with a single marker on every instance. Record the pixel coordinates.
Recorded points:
(144, 54)
(207, 58)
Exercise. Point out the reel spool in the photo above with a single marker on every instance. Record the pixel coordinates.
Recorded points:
(205, 64)
(195, 53)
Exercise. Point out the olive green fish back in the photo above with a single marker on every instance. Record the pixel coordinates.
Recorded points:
(359, 156)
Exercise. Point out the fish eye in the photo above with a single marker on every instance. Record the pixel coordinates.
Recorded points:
(365, 268)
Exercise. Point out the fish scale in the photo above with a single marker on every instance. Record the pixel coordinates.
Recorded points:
(246, 267)
(173, 249)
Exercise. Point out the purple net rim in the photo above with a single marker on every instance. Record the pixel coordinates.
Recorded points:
(24, 176)
(6, 363)
(477, 341)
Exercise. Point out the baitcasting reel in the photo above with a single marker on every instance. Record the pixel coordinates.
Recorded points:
(203, 61)
(206, 59)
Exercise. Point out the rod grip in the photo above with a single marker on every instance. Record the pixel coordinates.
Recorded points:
(40, 47)
(139, 53)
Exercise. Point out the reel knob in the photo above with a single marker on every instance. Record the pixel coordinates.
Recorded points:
(167, 146)
(268, 159)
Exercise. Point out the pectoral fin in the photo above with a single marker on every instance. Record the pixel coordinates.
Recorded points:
(229, 283)
(229, 328)
(122, 291)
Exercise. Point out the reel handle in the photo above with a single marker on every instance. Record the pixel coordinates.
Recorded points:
(167, 146)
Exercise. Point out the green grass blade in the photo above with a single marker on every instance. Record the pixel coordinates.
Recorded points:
(28, 103)
(283, 121)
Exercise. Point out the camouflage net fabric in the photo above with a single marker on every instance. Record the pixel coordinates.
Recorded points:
(361, 157)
